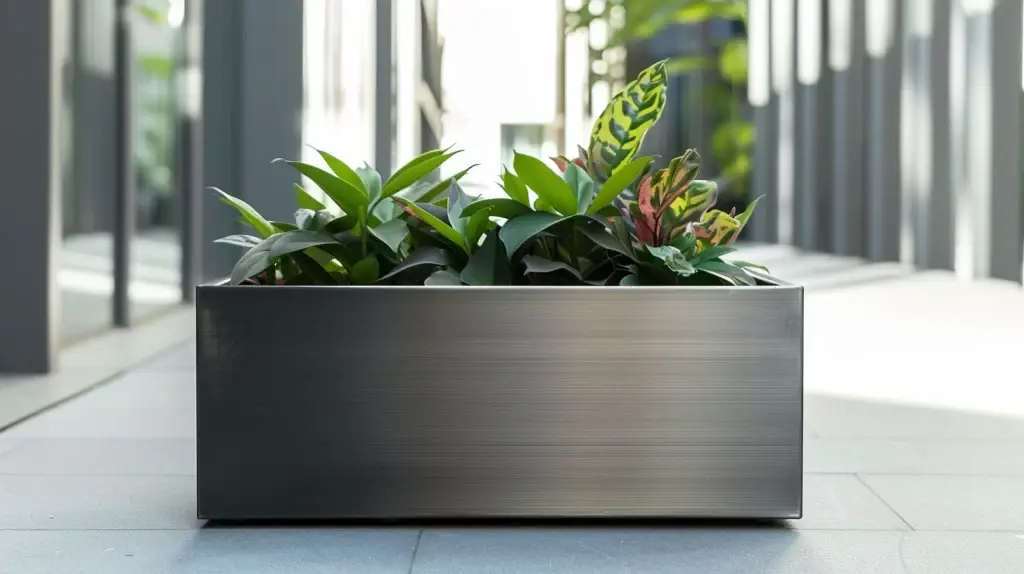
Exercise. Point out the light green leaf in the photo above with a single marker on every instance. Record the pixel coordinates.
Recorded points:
(476, 226)
(487, 265)
(344, 172)
(414, 171)
(730, 272)
(348, 197)
(371, 182)
(581, 185)
(366, 271)
(673, 259)
(536, 264)
(518, 231)
(515, 188)
(618, 182)
(307, 201)
(261, 256)
(292, 241)
(239, 240)
(747, 264)
(541, 205)
(502, 207)
(249, 215)
(447, 231)
(545, 183)
(391, 233)
(457, 201)
(713, 252)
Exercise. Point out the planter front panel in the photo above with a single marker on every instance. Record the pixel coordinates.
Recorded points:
(466, 402)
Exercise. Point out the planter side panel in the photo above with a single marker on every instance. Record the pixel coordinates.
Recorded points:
(403, 403)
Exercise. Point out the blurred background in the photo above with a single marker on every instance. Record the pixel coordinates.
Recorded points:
(880, 131)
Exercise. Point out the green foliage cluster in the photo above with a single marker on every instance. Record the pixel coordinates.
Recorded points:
(607, 219)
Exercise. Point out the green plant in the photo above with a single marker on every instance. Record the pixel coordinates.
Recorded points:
(606, 219)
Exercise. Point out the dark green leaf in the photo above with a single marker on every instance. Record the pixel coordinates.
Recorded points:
(457, 201)
(630, 280)
(712, 252)
(733, 273)
(545, 183)
(249, 215)
(428, 255)
(391, 233)
(536, 264)
(622, 178)
(253, 262)
(581, 185)
(240, 240)
(443, 278)
(498, 207)
(432, 191)
(366, 271)
(518, 231)
(414, 171)
(292, 241)
(283, 226)
(304, 218)
(347, 196)
(487, 265)
(316, 272)
(515, 188)
(443, 228)
(341, 224)
(600, 235)
(747, 264)
(307, 201)
(344, 172)
(673, 259)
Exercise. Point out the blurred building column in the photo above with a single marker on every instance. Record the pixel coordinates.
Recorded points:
(846, 61)
(189, 164)
(993, 130)
(882, 138)
(812, 126)
(252, 105)
(33, 37)
(783, 60)
(764, 223)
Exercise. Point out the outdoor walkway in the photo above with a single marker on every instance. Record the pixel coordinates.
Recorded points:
(914, 463)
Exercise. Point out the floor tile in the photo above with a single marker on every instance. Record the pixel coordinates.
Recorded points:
(891, 456)
(145, 390)
(250, 551)
(97, 502)
(181, 358)
(100, 457)
(727, 551)
(7, 444)
(843, 502)
(74, 421)
(932, 502)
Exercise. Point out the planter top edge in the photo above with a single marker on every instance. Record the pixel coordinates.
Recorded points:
(776, 286)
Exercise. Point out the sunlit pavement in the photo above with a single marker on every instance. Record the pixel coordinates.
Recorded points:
(914, 461)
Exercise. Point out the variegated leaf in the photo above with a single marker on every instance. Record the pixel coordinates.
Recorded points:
(700, 196)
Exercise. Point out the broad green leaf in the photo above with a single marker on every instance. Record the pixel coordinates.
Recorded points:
(428, 255)
(745, 216)
(249, 215)
(239, 240)
(732, 272)
(619, 181)
(600, 235)
(366, 271)
(371, 182)
(316, 271)
(414, 171)
(581, 185)
(713, 252)
(518, 231)
(476, 226)
(341, 224)
(443, 278)
(344, 172)
(457, 201)
(541, 205)
(428, 192)
(747, 264)
(545, 183)
(620, 129)
(326, 259)
(447, 231)
(292, 241)
(689, 208)
(536, 264)
(502, 207)
(303, 218)
(253, 262)
(630, 280)
(348, 197)
(515, 188)
(673, 259)
(487, 265)
(391, 233)
(307, 201)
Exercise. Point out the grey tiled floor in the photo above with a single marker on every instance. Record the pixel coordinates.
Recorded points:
(909, 468)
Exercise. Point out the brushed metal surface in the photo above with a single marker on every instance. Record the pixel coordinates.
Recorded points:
(391, 402)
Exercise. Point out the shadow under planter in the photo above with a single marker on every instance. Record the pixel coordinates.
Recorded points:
(520, 402)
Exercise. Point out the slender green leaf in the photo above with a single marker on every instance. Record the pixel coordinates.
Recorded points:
(282, 226)
(545, 183)
(249, 215)
(443, 278)
(747, 264)
(427, 255)
(581, 185)
(713, 252)
(536, 264)
(487, 265)
(457, 201)
(731, 272)
(391, 233)
(600, 235)
(348, 197)
(344, 172)
(515, 188)
(414, 171)
(619, 181)
(315, 271)
(307, 201)
(498, 207)
(518, 231)
(324, 256)
(292, 241)
(371, 182)
(447, 231)
(366, 271)
(239, 240)
(476, 227)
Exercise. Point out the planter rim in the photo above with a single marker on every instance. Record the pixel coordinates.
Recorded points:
(774, 285)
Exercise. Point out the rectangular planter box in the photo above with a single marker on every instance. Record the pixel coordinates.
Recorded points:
(413, 402)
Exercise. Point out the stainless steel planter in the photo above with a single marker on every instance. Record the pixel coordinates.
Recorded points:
(408, 402)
